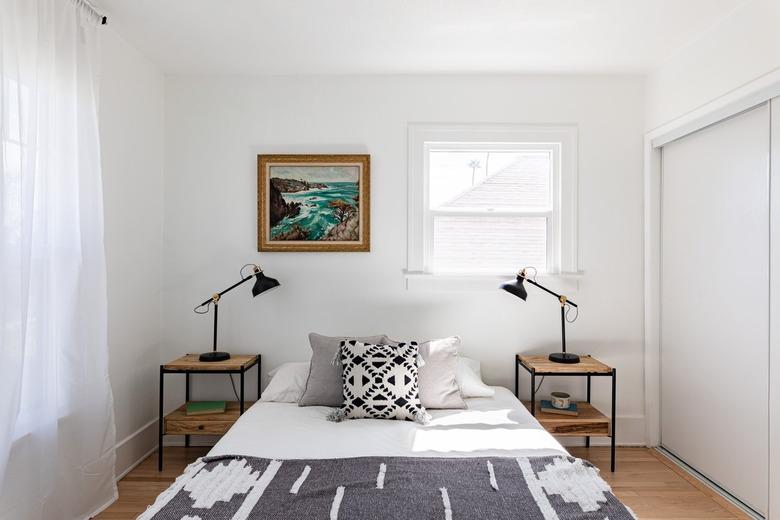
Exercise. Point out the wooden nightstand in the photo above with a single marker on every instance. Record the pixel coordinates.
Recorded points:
(178, 422)
(590, 422)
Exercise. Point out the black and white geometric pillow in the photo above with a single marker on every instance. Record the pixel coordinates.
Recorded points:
(380, 382)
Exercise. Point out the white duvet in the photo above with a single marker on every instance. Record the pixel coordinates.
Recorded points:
(490, 426)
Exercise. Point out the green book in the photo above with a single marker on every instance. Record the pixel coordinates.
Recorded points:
(205, 407)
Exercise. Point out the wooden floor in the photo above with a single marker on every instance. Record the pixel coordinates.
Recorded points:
(646, 481)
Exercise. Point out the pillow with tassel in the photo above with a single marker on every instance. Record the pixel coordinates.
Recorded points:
(380, 382)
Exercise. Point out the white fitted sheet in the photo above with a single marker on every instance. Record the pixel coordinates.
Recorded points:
(490, 426)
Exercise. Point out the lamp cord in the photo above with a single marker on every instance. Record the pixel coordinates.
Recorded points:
(241, 271)
(566, 314)
(204, 309)
(233, 384)
(576, 313)
(530, 267)
(568, 307)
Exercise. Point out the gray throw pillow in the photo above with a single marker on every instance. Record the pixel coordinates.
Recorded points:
(437, 376)
(323, 386)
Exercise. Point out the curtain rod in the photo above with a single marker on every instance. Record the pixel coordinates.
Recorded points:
(92, 10)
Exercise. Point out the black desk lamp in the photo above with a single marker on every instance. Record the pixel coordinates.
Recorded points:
(262, 284)
(516, 287)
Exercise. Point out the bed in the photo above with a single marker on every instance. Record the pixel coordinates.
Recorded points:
(491, 460)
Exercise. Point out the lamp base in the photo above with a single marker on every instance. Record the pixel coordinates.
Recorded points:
(214, 356)
(564, 357)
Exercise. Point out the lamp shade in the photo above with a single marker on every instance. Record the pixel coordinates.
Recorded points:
(263, 283)
(516, 287)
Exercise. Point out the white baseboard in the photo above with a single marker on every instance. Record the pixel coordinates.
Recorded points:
(103, 507)
(134, 448)
(128, 456)
(135, 464)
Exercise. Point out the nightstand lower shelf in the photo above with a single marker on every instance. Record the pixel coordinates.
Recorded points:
(179, 423)
(590, 422)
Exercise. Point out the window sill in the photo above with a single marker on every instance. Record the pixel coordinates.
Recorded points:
(564, 283)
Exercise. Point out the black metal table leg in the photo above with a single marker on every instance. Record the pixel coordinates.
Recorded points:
(533, 392)
(587, 437)
(259, 377)
(588, 388)
(614, 384)
(517, 388)
(241, 400)
(160, 426)
(187, 400)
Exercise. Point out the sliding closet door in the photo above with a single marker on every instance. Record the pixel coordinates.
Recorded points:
(714, 303)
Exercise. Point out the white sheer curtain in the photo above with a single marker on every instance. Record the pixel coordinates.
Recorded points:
(56, 409)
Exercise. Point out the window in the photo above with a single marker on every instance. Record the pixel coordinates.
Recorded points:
(488, 200)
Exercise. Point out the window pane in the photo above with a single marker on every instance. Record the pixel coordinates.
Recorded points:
(482, 179)
(487, 244)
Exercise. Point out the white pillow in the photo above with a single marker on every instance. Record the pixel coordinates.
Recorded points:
(288, 382)
(436, 376)
(469, 379)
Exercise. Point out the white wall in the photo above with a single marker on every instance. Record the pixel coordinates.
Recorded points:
(215, 127)
(131, 135)
(744, 47)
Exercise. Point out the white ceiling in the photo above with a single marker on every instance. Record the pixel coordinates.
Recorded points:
(407, 36)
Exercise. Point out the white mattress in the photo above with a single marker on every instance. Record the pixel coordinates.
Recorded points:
(494, 426)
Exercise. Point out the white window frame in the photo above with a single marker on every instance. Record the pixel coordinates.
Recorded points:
(560, 140)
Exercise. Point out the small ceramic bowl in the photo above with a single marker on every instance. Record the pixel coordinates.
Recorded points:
(560, 400)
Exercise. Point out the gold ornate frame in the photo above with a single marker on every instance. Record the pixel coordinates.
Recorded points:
(364, 189)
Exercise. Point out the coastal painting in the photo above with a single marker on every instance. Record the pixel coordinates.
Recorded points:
(313, 202)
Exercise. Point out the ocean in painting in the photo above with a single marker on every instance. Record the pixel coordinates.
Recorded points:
(316, 214)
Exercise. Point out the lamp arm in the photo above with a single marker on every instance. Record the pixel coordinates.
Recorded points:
(542, 287)
(219, 294)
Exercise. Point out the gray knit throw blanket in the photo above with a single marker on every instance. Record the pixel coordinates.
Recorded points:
(402, 488)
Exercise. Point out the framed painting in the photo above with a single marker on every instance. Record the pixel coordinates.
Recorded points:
(313, 203)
